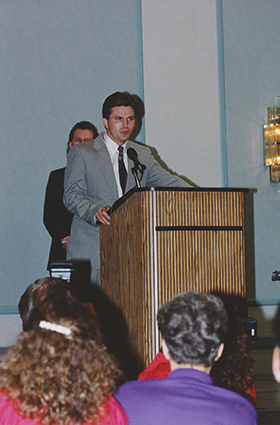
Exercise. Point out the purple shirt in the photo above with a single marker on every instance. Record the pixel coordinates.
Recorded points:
(187, 396)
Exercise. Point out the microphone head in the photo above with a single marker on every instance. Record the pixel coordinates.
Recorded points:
(132, 154)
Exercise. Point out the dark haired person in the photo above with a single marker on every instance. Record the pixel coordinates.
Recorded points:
(93, 180)
(233, 370)
(59, 371)
(193, 327)
(27, 302)
(57, 219)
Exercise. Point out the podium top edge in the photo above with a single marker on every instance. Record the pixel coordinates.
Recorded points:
(127, 195)
(186, 189)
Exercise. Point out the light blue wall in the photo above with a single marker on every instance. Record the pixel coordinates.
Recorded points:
(59, 60)
(252, 76)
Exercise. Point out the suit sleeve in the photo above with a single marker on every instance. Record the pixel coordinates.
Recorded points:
(158, 176)
(75, 188)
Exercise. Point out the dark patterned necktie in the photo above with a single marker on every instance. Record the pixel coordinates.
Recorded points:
(122, 169)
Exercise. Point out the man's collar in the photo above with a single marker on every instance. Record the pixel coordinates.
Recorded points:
(113, 146)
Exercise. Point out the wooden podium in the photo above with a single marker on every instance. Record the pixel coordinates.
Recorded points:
(164, 241)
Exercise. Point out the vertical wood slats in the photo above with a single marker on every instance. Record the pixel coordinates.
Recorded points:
(178, 260)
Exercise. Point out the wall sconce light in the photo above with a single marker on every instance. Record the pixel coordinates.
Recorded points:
(271, 138)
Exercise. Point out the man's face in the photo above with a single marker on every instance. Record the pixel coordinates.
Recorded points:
(120, 124)
(81, 136)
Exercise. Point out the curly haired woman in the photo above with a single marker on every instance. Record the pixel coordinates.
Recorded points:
(59, 372)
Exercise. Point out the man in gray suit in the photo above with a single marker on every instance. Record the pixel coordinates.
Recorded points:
(97, 174)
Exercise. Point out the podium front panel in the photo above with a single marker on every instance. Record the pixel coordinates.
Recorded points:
(164, 242)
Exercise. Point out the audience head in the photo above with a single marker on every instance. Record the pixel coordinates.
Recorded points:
(28, 299)
(42, 300)
(118, 99)
(193, 326)
(60, 357)
(80, 133)
(234, 370)
(276, 351)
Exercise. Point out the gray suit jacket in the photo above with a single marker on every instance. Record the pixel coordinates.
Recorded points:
(89, 185)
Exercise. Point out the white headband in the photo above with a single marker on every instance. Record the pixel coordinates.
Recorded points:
(56, 328)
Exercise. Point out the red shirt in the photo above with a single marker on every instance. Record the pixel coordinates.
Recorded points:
(113, 414)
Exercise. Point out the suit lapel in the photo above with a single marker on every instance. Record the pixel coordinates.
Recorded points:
(105, 163)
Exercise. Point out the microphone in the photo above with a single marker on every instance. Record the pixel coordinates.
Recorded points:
(132, 154)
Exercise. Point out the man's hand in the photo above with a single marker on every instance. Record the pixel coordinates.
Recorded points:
(102, 215)
(64, 242)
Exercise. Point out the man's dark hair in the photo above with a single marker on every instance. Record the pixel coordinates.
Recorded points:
(193, 326)
(82, 125)
(118, 99)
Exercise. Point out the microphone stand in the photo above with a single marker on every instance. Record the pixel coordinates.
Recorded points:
(134, 172)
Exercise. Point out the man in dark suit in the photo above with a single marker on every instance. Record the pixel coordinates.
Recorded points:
(57, 218)
(93, 181)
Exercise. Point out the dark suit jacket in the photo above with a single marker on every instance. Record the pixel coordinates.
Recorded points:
(57, 218)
